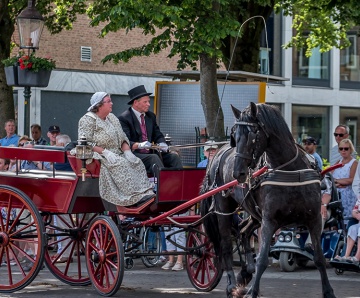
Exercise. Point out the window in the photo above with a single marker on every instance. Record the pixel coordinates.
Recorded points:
(349, 64)
(312, 121)
(313, 70)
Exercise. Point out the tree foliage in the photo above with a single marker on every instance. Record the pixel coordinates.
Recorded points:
(197, 32)
(58, 15)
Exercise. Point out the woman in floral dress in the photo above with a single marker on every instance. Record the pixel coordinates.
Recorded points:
(123, 180)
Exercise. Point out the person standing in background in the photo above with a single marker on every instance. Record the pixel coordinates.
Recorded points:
(310, 147)
(209, 152)
(11, 136)
(342, 131)
(53, 131)
(344, 176)
(36, 135)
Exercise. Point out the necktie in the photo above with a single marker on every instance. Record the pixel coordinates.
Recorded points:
(143, 128)
(143, 133)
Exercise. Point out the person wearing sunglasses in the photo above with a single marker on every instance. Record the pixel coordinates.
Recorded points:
(343, 177)
(341, 132)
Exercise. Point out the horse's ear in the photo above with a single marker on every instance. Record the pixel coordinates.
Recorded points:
(253, 109)
(236, 112)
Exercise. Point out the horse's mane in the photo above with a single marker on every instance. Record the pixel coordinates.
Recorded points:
(274, 123)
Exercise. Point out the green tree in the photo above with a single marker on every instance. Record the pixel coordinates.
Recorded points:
(58, 14)
(203, 32)
(199, 32)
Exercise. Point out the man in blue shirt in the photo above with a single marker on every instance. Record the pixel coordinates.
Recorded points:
(11, 137)
(209, 152)
(310, 147)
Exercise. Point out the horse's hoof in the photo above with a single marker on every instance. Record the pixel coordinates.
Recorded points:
(238, 292)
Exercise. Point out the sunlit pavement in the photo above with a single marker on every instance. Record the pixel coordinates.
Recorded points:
(154, 282)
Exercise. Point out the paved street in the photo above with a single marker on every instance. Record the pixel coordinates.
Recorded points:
(154, 282)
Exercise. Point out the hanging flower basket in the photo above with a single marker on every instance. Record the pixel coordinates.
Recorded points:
(28, 78)
(11, 75)
(28, 70)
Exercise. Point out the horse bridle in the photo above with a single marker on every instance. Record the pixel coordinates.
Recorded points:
(251, 138)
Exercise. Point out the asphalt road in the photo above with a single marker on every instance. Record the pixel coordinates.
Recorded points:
(154, 282)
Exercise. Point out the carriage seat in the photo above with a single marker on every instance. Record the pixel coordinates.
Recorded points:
(173, 187)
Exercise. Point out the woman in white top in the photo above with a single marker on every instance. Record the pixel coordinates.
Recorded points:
(344, 176)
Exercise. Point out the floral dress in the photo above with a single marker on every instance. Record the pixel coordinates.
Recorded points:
(348, 197)
(122, 183)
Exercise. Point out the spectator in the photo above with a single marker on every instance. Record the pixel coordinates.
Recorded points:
(61, 141)
(34, 165)
(63, 252)
(353, 236)
(53, 131)
(123, 180)
(341, 132)
(310, 147)
(343, 177)
(11, 137)
(36, 135)
(209, 152)
(4, 164)
(140, 127)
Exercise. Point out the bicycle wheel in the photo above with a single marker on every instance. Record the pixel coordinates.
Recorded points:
(151, 244)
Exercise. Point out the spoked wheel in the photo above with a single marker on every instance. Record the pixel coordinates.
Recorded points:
(202, 265)
(22, 241)
(151, 244)
(104, 253)
(67, 232)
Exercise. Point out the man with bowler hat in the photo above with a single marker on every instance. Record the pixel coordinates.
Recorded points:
(141, 128)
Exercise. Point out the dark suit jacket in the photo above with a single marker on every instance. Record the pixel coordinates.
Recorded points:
(131, 126)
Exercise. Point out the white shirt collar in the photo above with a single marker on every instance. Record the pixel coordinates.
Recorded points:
(137, 114)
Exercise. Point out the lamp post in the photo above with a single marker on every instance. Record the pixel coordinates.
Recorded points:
(30, 24)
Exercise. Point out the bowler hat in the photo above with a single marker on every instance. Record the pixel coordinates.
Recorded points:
(136, 93)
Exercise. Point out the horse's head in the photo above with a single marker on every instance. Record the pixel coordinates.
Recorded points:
(249, 138)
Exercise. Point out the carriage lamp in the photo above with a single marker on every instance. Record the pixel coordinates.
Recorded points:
(83, 152)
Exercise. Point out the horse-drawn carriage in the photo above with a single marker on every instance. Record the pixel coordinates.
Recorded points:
(285, 191)
(86, 229)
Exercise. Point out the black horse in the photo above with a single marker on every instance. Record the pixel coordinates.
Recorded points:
(288, 193)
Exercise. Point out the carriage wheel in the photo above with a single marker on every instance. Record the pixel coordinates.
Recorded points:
(287, 261)
(67, 263)
(104, 254)
(151, 244)
(202, 265)
(22, 241)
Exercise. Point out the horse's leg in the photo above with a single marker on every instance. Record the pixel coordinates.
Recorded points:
(225, 223)
(319, 260)
(268, 229)
(246, 234)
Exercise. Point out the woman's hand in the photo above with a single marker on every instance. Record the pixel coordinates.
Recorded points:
(130, 156)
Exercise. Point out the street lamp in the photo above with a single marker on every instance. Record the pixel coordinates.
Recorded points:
(30, 24)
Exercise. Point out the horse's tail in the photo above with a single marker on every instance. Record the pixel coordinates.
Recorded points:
(210, 221)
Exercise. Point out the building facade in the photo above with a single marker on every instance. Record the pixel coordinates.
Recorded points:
(322, 91)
